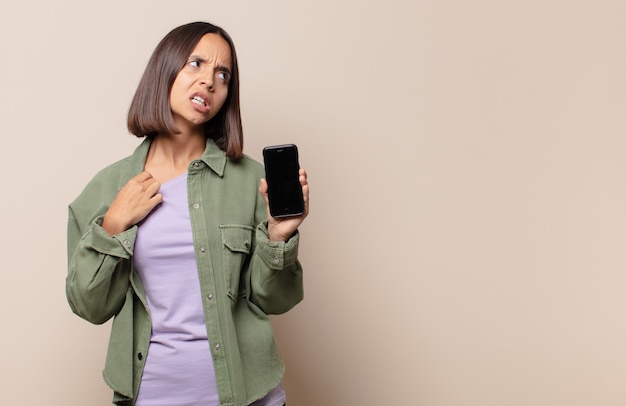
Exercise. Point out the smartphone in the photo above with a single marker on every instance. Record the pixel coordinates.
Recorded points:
(283, 185)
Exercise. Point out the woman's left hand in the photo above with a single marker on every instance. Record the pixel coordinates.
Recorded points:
(281, 229)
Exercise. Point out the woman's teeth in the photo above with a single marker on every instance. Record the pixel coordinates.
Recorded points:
(198, 100)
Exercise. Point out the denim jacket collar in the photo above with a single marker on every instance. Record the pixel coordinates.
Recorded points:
(213, 157)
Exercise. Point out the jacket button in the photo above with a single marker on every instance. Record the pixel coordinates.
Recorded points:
(139, 356)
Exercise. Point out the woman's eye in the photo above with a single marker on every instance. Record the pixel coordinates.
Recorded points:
(195, 64)
(223, 76)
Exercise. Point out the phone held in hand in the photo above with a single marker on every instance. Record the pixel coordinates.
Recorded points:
(283, 185)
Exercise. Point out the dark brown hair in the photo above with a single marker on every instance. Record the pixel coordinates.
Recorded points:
(150, 112)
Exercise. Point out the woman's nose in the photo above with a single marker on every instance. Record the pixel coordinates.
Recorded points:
(207, 80)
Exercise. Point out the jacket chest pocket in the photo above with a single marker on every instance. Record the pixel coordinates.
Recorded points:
(237, 245)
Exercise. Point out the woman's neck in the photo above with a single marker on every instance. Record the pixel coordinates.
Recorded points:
(170, 154)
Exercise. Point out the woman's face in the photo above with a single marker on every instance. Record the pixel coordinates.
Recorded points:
(201, 87)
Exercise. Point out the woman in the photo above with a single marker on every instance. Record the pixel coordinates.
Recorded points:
(176, 241)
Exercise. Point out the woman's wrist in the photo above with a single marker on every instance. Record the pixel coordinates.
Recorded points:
(275, 237)
(111, 227)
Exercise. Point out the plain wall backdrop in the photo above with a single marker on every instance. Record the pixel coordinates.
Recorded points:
(465, 245)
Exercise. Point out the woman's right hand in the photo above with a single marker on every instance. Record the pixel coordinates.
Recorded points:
(132, 204)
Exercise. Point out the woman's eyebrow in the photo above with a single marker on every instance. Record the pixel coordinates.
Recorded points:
(223, 68)
(198, 58)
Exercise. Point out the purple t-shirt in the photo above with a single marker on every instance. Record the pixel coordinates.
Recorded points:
(179, 367)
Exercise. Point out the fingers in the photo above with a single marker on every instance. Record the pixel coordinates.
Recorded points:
(145, 182)
(263, 186)
(133, 203)
(281, 229)
(263, 192)
(150, 186)
(303, 176)
(305, 190)
(147, 194)
(143, 176)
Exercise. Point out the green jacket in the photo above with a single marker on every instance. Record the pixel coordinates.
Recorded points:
(243, 276)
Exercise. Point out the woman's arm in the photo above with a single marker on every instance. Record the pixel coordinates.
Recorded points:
(275, 272)
(98, 269)
(100, 250)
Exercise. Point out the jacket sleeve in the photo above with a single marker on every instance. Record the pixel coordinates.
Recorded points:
(98, 268)
(275, 274)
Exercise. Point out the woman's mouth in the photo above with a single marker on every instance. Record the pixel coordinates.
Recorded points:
(199, 100)
(200, 103)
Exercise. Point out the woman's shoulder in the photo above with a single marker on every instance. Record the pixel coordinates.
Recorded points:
(248, 165)
(116, 174)
(110, 175)
(105, 184)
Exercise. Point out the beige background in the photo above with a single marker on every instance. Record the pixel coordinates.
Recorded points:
(466, 240)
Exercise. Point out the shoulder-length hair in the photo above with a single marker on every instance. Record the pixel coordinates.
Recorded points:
(150, 112)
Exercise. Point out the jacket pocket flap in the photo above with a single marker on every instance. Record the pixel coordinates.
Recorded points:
(237, 238)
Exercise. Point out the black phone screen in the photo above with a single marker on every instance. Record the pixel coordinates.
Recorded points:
(281, 172)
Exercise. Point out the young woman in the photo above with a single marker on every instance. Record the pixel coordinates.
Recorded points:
(176, 243)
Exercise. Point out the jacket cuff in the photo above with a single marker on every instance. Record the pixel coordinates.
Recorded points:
(120, 245)
(276, 254)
